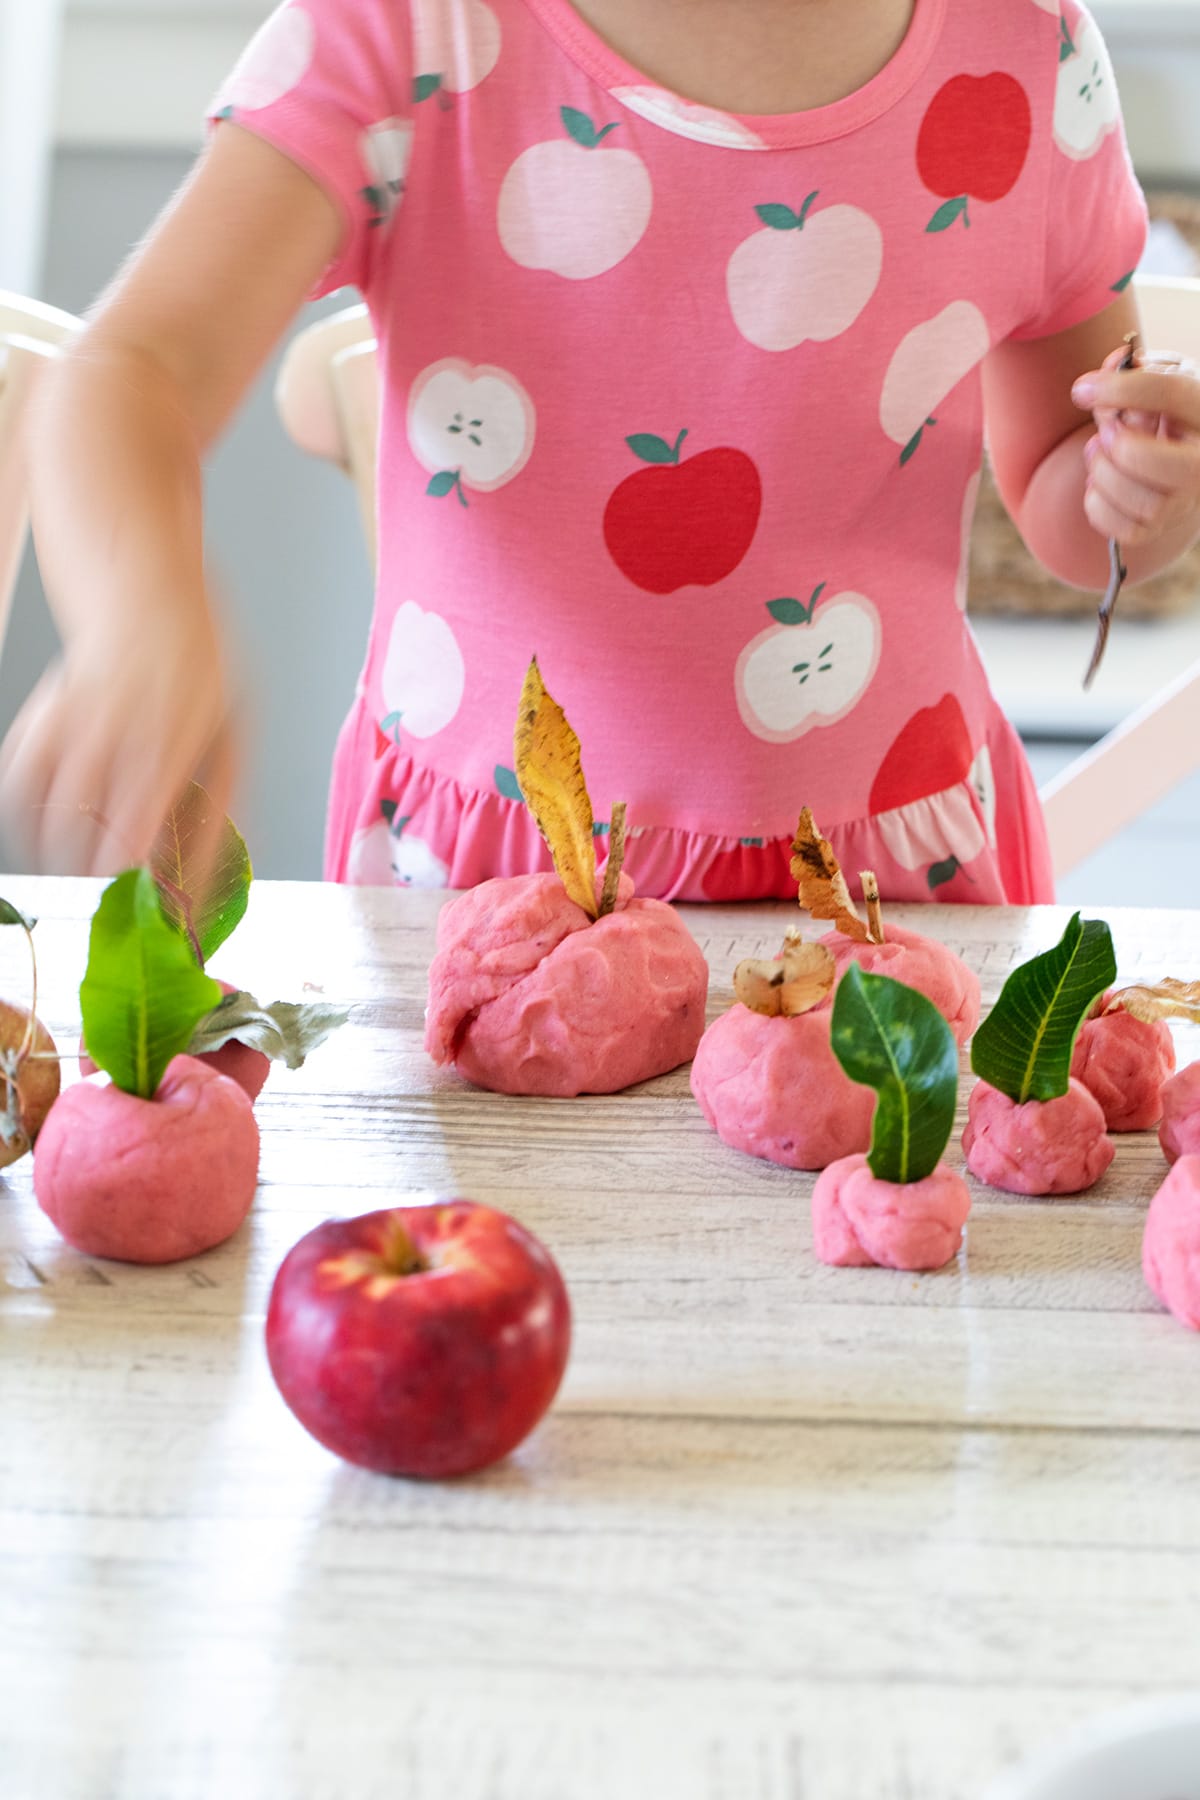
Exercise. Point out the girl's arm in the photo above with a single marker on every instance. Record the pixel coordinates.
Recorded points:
(138, 701)
(1069, 486)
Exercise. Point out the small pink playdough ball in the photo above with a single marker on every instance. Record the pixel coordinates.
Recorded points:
(774, 1088)
(241, 1062)
(1041, 1147)
(1179, 1133)
(1171, 1245)
(1123, 1062)
(859, 1220)
(921, 963)
(149, 1181)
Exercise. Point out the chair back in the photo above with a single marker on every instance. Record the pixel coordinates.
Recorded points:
(1149, 1751)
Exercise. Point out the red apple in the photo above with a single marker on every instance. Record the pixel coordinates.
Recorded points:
(421, 1340)
(677, 523)
(37, 1082)
(973, 142)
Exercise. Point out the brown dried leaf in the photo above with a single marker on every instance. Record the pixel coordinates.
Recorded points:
(547, 761)
(616, 859)
(1165, 999)
(789, 984)
(823, 890)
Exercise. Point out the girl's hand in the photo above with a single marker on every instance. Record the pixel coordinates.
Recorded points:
(1143, 463)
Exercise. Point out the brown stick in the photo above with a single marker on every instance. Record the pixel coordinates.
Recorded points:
(870, 888)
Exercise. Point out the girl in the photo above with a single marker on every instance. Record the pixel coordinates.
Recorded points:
(690, 316)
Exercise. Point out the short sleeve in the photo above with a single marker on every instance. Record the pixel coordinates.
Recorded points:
(1095, 216)
(328, 83)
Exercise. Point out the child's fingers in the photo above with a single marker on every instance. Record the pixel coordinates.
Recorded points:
(1120, 506)
(1153, 388)
(1169, 465)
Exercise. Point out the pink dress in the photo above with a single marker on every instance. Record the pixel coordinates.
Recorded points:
(689, 405)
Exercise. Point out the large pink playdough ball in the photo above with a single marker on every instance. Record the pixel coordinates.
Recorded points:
(1041, 1147)
(1171, 1245)
(527, 995)
(859, 1220)
(1123, 1062)
(241, 1062)
(149, 1181)
(921, 963)
(774, 1088)
(1179, 1133)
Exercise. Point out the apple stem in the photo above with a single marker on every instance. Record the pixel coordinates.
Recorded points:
(870, 888)
(678, 444)
(803, 213)
(400, 1255)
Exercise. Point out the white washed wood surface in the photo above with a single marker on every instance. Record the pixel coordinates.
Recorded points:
(790, 1534)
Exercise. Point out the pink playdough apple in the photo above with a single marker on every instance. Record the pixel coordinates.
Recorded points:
(859, 1220)
(1054, 1146)
(773, 1088)
(921, 963)
(149, 1181)
(1171, 1245)
(1179, 1133)
(527, 995)
(241, 1062)
(1123, 1062)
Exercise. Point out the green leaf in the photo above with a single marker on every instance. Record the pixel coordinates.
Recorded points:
(283, 1031)
(913, 445)
(142, 993)
(507, 783)
(425, 86)
(12, 915)
(1118, 287)
(653, 449)
(893, 1039)
(942, 872)
(203, 899)
(779, 218)
(1024, 1045)
(1066, 46)
(581, 128)
(788, 611)
(948, 212)
(443, 483)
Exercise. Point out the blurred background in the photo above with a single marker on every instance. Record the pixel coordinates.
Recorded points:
(100, 110)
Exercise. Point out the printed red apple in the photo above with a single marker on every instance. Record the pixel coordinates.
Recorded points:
(973, 142)
(37, 1082)
(924, 797)
(423, 1340)
(754, 869)
(675, 523)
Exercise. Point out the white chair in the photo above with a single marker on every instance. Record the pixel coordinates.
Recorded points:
(1146, 1752)
(30, 334)
(328, 399)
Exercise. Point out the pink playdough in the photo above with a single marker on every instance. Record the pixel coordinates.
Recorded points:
(921, 963)
(859, 1220)
(149, 1181)
(1041, 1147)
(241, 1062)
(1179, 1133)
(527, 995)
(1171, 1246)
(1123, 1062)
(774, 1088)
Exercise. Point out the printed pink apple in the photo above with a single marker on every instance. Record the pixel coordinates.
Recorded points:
(805, 275)
(973, 143)
(456, 45)
(387, 854)
(423, 674)
(687, 119)
(810, 668)
(923, 797)
(471, 427)
(677, 523)
(1086, 107)
(927, 365)
(386, 150)
(576, 205)
(274, 62)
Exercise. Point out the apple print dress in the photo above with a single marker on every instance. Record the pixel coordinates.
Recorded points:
(689, 405)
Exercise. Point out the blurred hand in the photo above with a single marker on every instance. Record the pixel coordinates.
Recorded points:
(1143, 464)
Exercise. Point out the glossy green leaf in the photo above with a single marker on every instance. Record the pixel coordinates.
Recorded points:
(203, 871)
(285, 1031)
(891, 1038)
(12, 915)
(1024, 1045)
(142, 994)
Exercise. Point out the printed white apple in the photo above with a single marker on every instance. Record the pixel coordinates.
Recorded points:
(386, 150)
(577, 205)
(456, 45)
(810, 668)
(935, 832)
(1086, 106)
(970, 498)
(805, 276)
(387, 855)
(927, 365)
(274, 62)
(985, 791)
(1050, 6)
(688, 119)
(423, 674)
(470, 427)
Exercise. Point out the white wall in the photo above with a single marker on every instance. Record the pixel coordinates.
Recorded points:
(29, 47)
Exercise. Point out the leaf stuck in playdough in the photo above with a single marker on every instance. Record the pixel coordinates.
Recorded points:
(284, 1031)
(142, 994)
(202, 868)
(823, 890)
(1023, 1048)
(891, 1038)
(550, 775)
(792, 983)
(1169, 998)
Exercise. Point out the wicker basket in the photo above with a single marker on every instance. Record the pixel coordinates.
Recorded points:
(1004, 578)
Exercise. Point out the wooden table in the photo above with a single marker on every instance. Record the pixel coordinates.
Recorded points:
(791, 1533)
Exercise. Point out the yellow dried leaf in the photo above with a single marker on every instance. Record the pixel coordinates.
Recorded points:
(823, 890)
(1165, 999)
(791, 983)
(548, 768)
